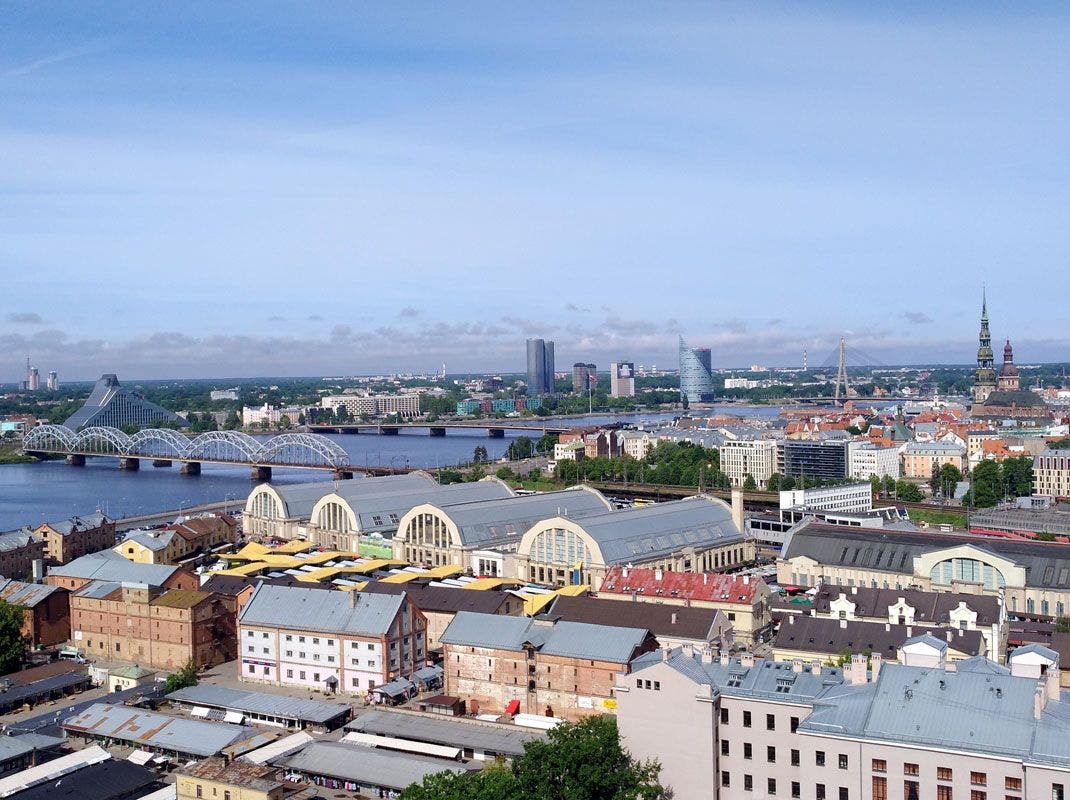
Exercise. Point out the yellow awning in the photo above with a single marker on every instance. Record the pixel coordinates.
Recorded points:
(482, 584)
(401, 577)
(536, 603)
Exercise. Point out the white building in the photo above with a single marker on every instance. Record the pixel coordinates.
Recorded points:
(267, 413)
(740, 383)
(636, 444)
(740, 458)
(865, 459)
(853, 497)
(1051, 473)
(374, 405)
(224, 394)
(569, 451)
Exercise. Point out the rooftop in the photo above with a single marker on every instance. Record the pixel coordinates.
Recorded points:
(297, 608)
(703, 586)
(365, 765)
(105, 780)
(443, 599)
(107, 565)
(822, 635)
(662, 620)
(452, 731)
(135, 726)
(929, 607)
(249, 702)
(236, 773)
(25, 594)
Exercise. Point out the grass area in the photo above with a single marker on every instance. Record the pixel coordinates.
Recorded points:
(956, 519)
(11, 453)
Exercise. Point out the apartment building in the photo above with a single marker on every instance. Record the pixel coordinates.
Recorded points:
(374, 405)
(172, 543)
(328, 640)
(75, 537)
(46, 611)
(18, 551)
(756, 458)
(503, 664)
(743, 600)
(725, 727)
(152, 626)
(1051, 473)
(919, 458)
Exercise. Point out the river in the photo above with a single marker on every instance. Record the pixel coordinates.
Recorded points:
(52, 490)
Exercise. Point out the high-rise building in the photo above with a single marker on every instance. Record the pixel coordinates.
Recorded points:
(696, 373)
(53, 381)
(540, 367)
(582, 375)
(33, 379)
(984, 381)
(622, 379)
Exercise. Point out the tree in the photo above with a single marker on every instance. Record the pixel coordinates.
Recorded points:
(749, 484)
(479, 455)
(889, 485)
(875, 485)
(1017, 476)
(934, 479)
(950, 475)
(13, 642)
(519, 448)
(985, 489)
(232, 422)
(187, 676)
(773, 484)
(448, 476)
(284, 422)
(578, 761)
(546, 443)
(907, 492)
(505, 474)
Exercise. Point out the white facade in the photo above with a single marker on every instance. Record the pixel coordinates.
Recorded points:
(223, 394)
(379, 405)
(756, 458)
(622, 379)
(1051, 473)
(569, 451)
(865, 459)
(636, 445)
(852, 497)
(269, 414)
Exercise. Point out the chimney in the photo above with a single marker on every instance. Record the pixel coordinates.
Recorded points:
(843, 624)
(887, 627)
(1040, 699)
(747, 660)
(791, 619)
(665, 653)
(854, 590)
(689, 650)
(815, 667)
(857, 671)
(707, 655)
(705, 578)
(1051, 681)
(949, 666)
(875, 662)
(624, 572)
(746, 580)
(737, 509)
(672, 618)
(724, 659)
(949, 636)
(910, 631)
(658, 574)
(353, 599)
(796, 665)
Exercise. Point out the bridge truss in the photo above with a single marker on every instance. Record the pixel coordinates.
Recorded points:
(229, 447)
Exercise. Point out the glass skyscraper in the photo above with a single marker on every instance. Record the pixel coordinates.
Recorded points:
(696, 373)
(540, 367)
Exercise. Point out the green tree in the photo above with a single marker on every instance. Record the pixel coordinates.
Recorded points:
(545, 445)
(1017, 476)
(479, 455)
(232, 422)
(889, 484)
(950, 475)
(284, 422)
(519, 448)
(496, 782)
(907, 492)
(447, 476)
(505, 474)
(773, 484)
(875, 485)
(749, 484)
(186, 676)
(934, 479)
(13, 642)
(985, 490)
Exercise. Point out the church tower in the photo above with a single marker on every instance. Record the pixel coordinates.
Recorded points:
(984, 380)
(1009, 380)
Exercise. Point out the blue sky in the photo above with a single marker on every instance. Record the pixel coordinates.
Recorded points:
(293, 188)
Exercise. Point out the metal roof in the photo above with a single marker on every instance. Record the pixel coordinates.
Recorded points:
(297, 608)
(15, 540)
(368, 766)
(66, 527)
(570, 639)
(299, 498)
(145, 728)
(489, 522)
(447, 599)
(151, 540)
(25, 594)
(107, 565)
(1047, 564)
(101, 781)
(929, 606)
(316, 711)
(383, 512)
(436, 729)
(659, 529)
(824, 635)
(105, 391)
(669, 620)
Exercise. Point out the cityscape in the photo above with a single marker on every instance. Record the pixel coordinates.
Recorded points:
(534, 403)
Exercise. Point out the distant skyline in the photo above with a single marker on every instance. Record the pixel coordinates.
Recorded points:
(250, 189)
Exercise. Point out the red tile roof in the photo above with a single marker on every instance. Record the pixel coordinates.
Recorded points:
(702, 586)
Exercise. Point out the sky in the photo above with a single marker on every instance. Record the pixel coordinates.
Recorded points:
(241, 189)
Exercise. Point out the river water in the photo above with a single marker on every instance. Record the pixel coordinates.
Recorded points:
(52, 490)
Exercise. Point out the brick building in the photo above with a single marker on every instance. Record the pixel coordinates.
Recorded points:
(107, 565)
(329, 640)
(75, 537)
(47, 619)
(18, 551)
(505, 664)
(152, 626)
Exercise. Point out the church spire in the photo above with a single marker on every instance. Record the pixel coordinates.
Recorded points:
(984, 381)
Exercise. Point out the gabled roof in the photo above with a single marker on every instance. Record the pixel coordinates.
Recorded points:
(297, 608)
(25, 594)
(107, 565)
(821, 635)
(930, 607)
(680, 622)
(66, 527)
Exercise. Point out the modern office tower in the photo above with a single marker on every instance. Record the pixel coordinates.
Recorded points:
(581, 376)
(816, 459)
(622, 379)
(696, 373)
(33, 379)
(53, 381)
(540, 367)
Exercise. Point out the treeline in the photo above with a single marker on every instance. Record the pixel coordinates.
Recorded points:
(669, 463)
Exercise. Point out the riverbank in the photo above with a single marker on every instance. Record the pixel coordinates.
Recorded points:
(11, 453)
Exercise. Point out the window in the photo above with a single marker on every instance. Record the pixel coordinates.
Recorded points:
(943, 793)
(746, 719)
(226, 794)
(880, 788)
(796, 789)
(289, 673)
(289, 653)
(944, 774)
(200, 791)
(843, 761)
(910, 790)
(657, 686)
(724, 716)
(819, 791)
(819, 758)
(301, 675)
(1057, 792)
(330, 642)
(770, 785)
(264, 635)
(747, 750)
(289, 637)
(724, 747)
(977, 794)
(794, 724)
(978, 779)
(844, 794)
(251, 649)
(1013, 784)
(638, 683)
(748, 783)
(910, 769)
(770, 722)
(301, 639)
(315, 640)
(249, 633)
(795, 758)
(880, 765)
(770, 754)
(726, 779)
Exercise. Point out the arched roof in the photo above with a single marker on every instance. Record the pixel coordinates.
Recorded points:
(648, 532)
(487, 523)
